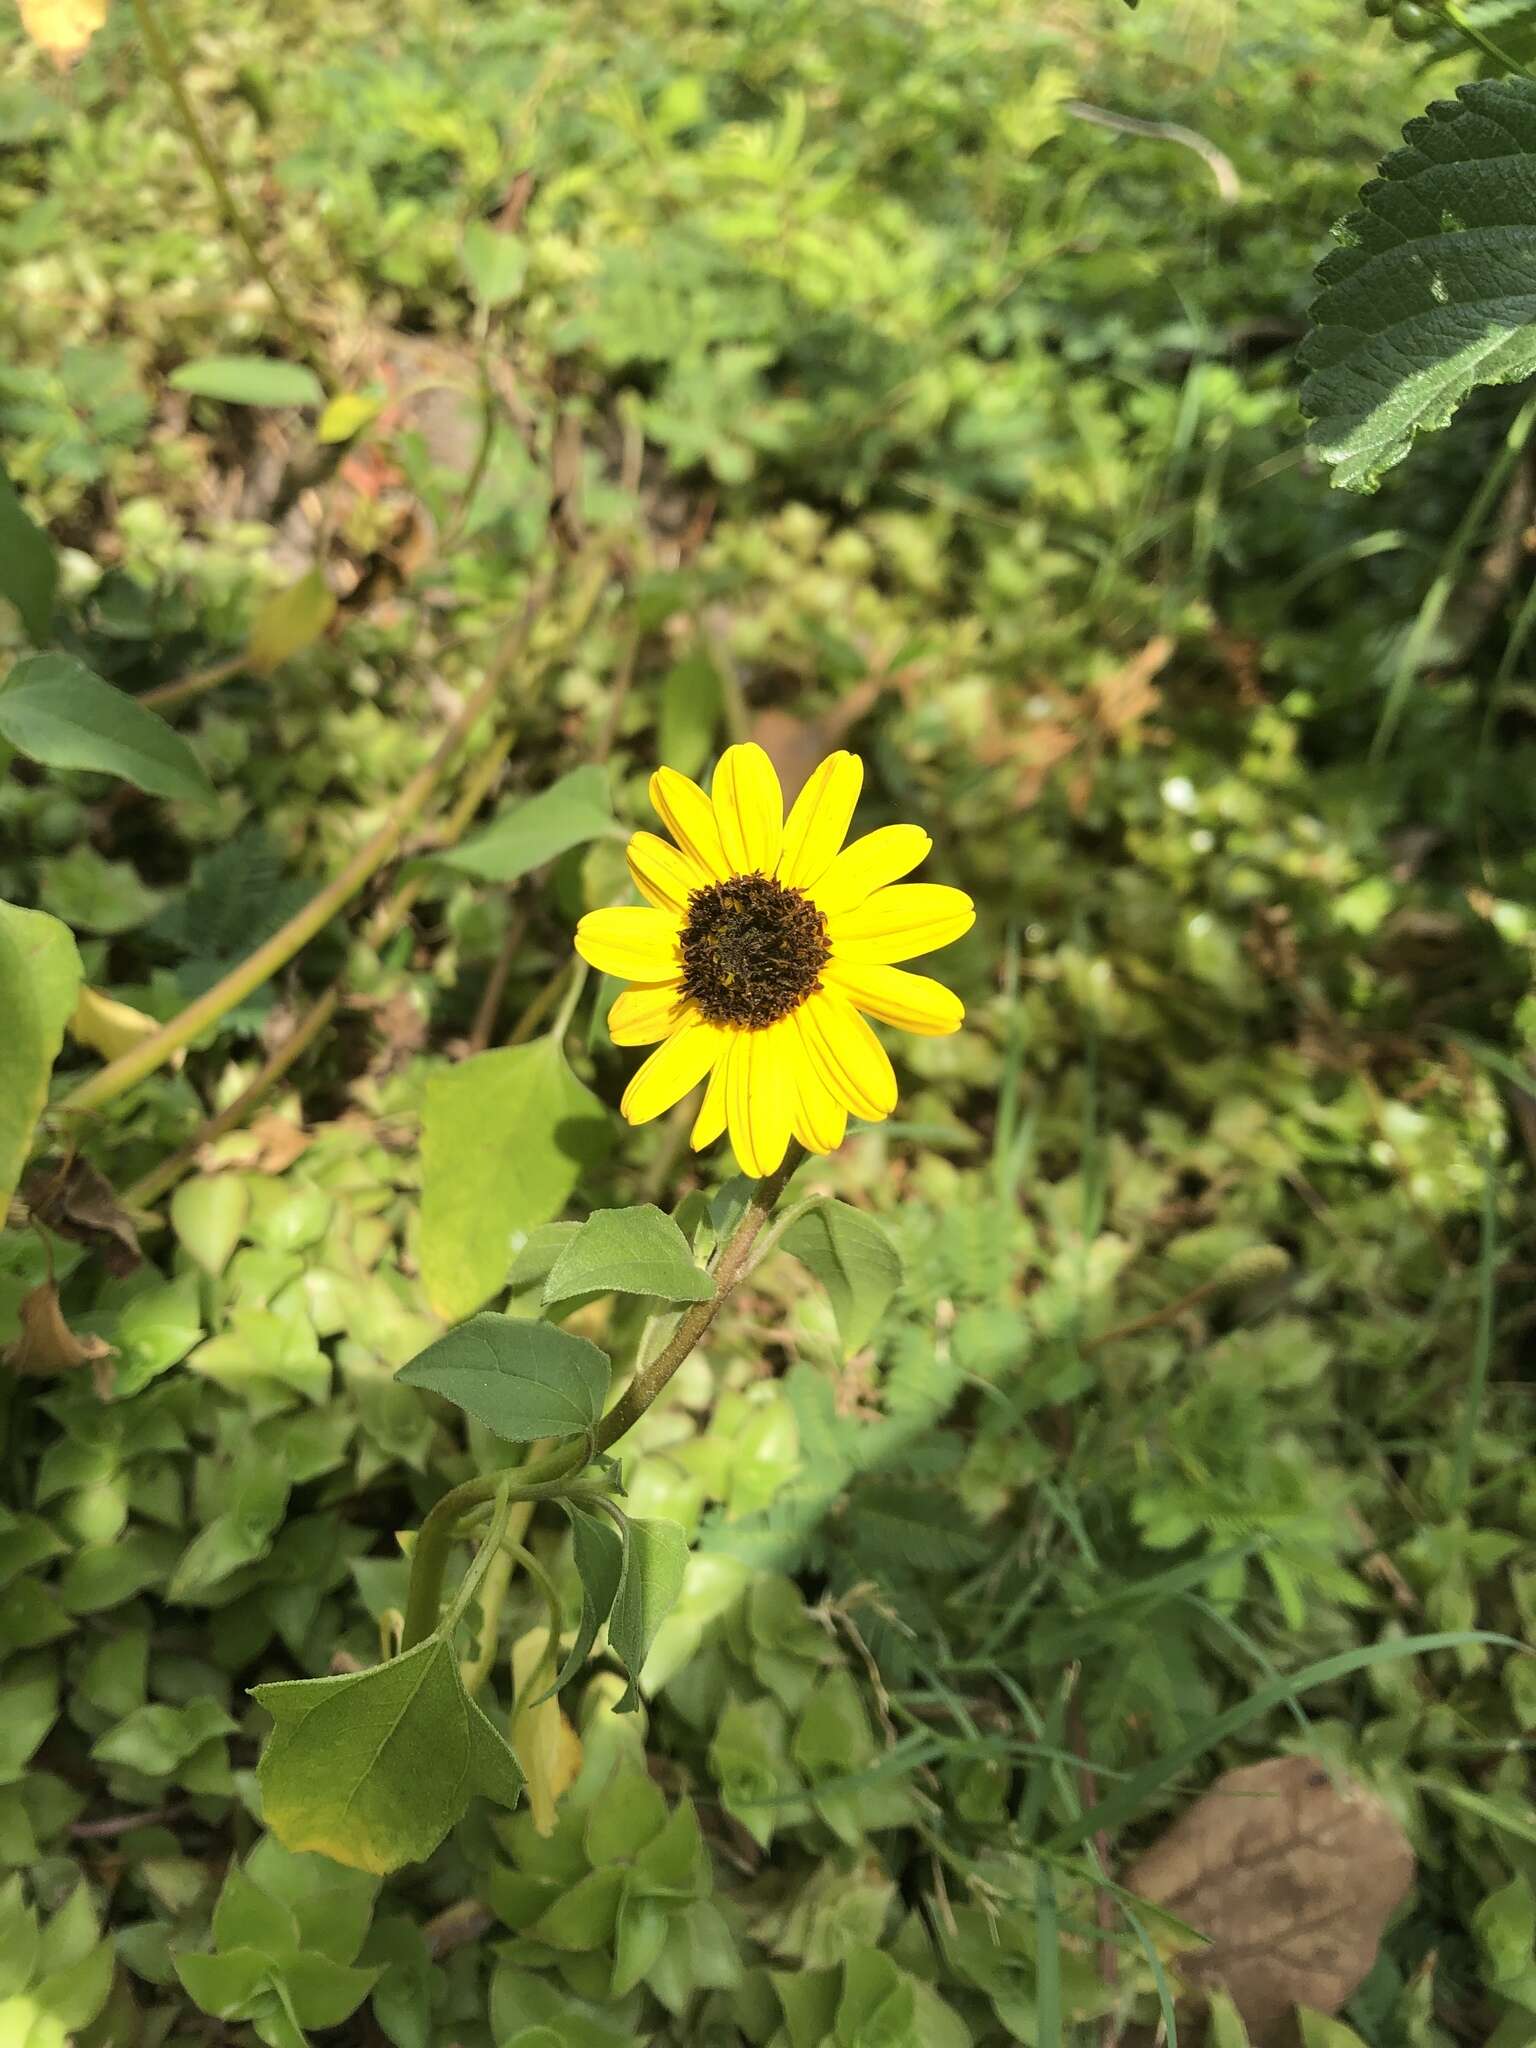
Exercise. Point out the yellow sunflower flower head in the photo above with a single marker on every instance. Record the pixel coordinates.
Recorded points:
(767, 946)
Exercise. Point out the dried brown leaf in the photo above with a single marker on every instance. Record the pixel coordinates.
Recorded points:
(1292, 1875)
(47, 1345)
(73, 1200)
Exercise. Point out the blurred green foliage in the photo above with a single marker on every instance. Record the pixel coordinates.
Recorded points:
(906, 408)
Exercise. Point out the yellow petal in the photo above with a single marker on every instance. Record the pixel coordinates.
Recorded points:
(819, 821)
(635, 944)
(689, 816)
(820, 1121)
(847, 1056)
(912, 1002)
(896, 924)
(869, 864)
(677, 1065)
(663, 876)
(646, 1013)
(710, 1121)
(749, 809)
(758, 1099)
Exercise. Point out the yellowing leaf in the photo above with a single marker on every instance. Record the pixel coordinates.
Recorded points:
(543, 1740)
(347, 414)
(62, 27)
(289, 622)
(108, 1026)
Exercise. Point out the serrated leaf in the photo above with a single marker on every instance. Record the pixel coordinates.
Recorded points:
(655, 1561)
(289, 621)
(373, 1769)
(1434, 292)
(628, 1251)
(39, 986)
(505, 1138)
(53, 710)
(523, 1380)
(850, 1254)
(537, 828)
(29, 569)
(249, 380)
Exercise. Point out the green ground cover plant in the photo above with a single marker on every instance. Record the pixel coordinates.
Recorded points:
(475, 1571)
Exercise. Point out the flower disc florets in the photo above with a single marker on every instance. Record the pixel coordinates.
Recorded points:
(753, 950)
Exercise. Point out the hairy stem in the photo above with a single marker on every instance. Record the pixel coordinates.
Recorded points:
(545, 1477)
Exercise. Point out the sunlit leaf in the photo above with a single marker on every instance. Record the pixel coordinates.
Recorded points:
(373, 1768)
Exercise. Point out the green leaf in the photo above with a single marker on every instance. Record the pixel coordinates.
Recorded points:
(537, 828)
(40, 977)
(325, 1993)
(495, 263)
(373, 1769)
(690, 712)
(628, 1251)
(598, 1552)
(224, 1986)
(208, 1214)
(53, 710)
(854, 1260)
(333, 1906)
(655, 1560)
(245, 1917)
(1434, 291)
(523, 1380)
(249, 380)
(505, 1138)
(289, 621)
(29, 570)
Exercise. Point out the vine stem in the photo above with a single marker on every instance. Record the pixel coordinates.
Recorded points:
(151, 1053)
(163, 59)
(546, 1477)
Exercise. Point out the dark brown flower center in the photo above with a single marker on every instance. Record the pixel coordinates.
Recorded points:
(752, 951)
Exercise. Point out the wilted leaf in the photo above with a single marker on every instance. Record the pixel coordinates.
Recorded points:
(373, 1769)
(1291, 1876)
(77, 1202)
(107, 1026)
(47, 1345)
(62, 27)
(543, 1740)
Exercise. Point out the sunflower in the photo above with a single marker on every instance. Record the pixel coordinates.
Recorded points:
(766, 947)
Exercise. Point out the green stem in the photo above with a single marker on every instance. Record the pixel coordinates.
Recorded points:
(546, 1477)
(164, 61)
(1475, 36)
